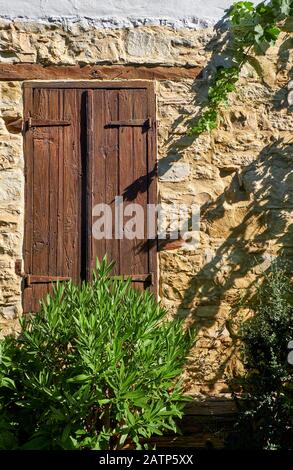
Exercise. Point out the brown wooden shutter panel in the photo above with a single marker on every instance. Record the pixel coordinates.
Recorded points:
(53, 192)
(123, 163)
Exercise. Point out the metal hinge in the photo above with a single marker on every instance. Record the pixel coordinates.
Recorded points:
(145, 278)
(146, 123)
(30, 279)
(45, 123)
(35, 279)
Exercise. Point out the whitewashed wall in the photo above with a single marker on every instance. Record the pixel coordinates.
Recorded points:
(180, 12)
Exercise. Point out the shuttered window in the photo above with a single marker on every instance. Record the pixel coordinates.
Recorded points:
(86, 145)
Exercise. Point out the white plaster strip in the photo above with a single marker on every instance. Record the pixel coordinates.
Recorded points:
(115, 22)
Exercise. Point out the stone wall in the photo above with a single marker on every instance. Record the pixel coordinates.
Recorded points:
(11, 203)
(240, 174)
(242, 177)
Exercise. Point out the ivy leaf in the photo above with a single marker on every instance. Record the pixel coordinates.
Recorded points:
(285, 7)
(258, 29)
(271, 34)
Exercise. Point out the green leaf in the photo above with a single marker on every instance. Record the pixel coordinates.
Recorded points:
(123, 438)
(79, 378)
(104, 401)
(272, 33)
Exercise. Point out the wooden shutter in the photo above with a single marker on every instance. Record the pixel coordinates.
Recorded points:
(53, 179)
(82, 147)
(122, 162)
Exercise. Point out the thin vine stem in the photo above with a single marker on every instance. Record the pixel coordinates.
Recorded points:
(254, 28)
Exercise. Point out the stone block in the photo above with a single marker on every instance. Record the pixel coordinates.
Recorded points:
(175, 172)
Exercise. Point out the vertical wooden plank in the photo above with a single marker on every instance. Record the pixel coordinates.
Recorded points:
(112, 169)
(140, 178)
(60, 190)
(41, 168)
(106, 168)
(89, 183)
(81, 99)
(72, 187)
(40, 187)
(126, 174)
(53, 147)
(152, 172)
(98, 168)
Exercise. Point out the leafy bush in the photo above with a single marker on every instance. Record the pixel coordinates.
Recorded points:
(7, 433)
(267, 414)
(97, 368)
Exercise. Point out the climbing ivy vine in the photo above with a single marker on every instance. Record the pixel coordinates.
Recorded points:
(254, 28)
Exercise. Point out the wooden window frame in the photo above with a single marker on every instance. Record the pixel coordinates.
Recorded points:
(116, 84)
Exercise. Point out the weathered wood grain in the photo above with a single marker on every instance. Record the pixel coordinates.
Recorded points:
(89, 72)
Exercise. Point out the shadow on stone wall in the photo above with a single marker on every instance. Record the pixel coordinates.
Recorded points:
(253, 216)
(215, 295)
(218, 49)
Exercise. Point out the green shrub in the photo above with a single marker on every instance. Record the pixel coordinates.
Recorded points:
(97, 368)
(266, 419)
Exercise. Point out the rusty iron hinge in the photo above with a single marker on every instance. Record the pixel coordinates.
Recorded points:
(146, 123)
(30, 279)
(31, 122)
(35, 279)
(145, 278)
